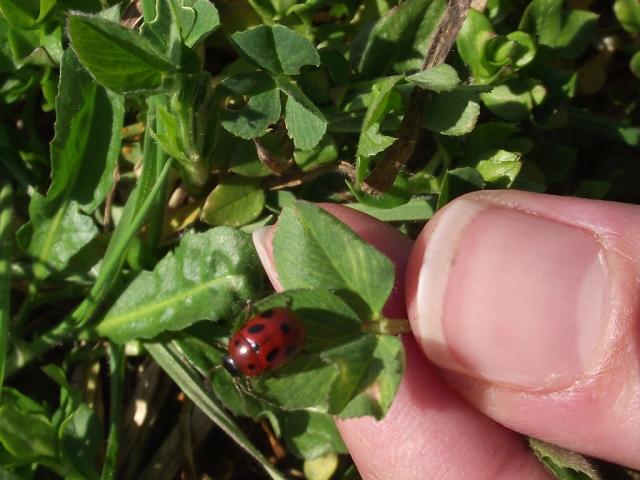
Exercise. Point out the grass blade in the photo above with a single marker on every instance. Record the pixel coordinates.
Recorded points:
(116, 374)
(191, 384)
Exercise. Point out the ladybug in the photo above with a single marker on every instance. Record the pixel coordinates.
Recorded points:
(264, 343)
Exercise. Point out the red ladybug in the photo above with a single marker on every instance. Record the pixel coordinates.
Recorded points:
(265, 342)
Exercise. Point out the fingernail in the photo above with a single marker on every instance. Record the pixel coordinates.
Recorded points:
(508, 296)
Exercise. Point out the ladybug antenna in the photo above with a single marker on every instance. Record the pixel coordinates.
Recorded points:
(230, 366)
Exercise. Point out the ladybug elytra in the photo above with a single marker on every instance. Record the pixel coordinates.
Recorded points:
(264, 343)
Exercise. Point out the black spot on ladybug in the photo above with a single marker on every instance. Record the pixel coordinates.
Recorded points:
(271, 356)
(285, 327)
(290, 350)
(267, 313)
(258, 327)
(251, 366)
(237, 343)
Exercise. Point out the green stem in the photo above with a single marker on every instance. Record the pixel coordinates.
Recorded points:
(116, 253)
(23, 354)
(6, 214)
(116, 371)
(388, 326)
(26, 305)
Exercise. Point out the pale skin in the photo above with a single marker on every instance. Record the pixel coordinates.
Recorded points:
(525, 313)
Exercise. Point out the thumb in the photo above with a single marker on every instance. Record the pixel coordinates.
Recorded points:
(531, 305)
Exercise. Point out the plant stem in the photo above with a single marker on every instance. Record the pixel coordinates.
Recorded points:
(116, 253)
(116, 372)
(388, 326)
(384, 173)
(23, 354)
(26, 305)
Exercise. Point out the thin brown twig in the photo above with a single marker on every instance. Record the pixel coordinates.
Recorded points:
(384, 173)
(298, 178)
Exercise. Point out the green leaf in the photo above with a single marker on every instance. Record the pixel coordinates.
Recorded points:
(514, 100)
(36, 47)
(188, 381)
(457, 182)
(311, 434)
(162, 25)
(486, 136)
(500, 168)
(476, 31)
(84, 151)
(399, 41)
(263, 108)
(441, 78)
(276, 48)
(25, 429)
(86, 144)
(382, 380)
(628, 14)
(118, 58)
(321, 468)
(206, 277)
(6, 247)
(325, 153)
(372, 141)
(206, 21)
(81, 440)
(565, 464)
(569, 32)
(414, 209)
(357, 369)
(55, 233)
(236, 201)
(314, 249)
(306, 124)
(452, 113)
(27, 14)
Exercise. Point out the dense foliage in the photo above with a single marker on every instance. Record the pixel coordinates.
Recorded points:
(142, 142)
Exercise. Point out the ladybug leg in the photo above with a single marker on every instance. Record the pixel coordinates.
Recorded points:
(249, 307)
(220, 346)
(287, 301)
(246, 384)
(241, 392)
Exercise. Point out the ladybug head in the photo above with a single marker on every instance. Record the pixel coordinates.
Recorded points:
(230, 366)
